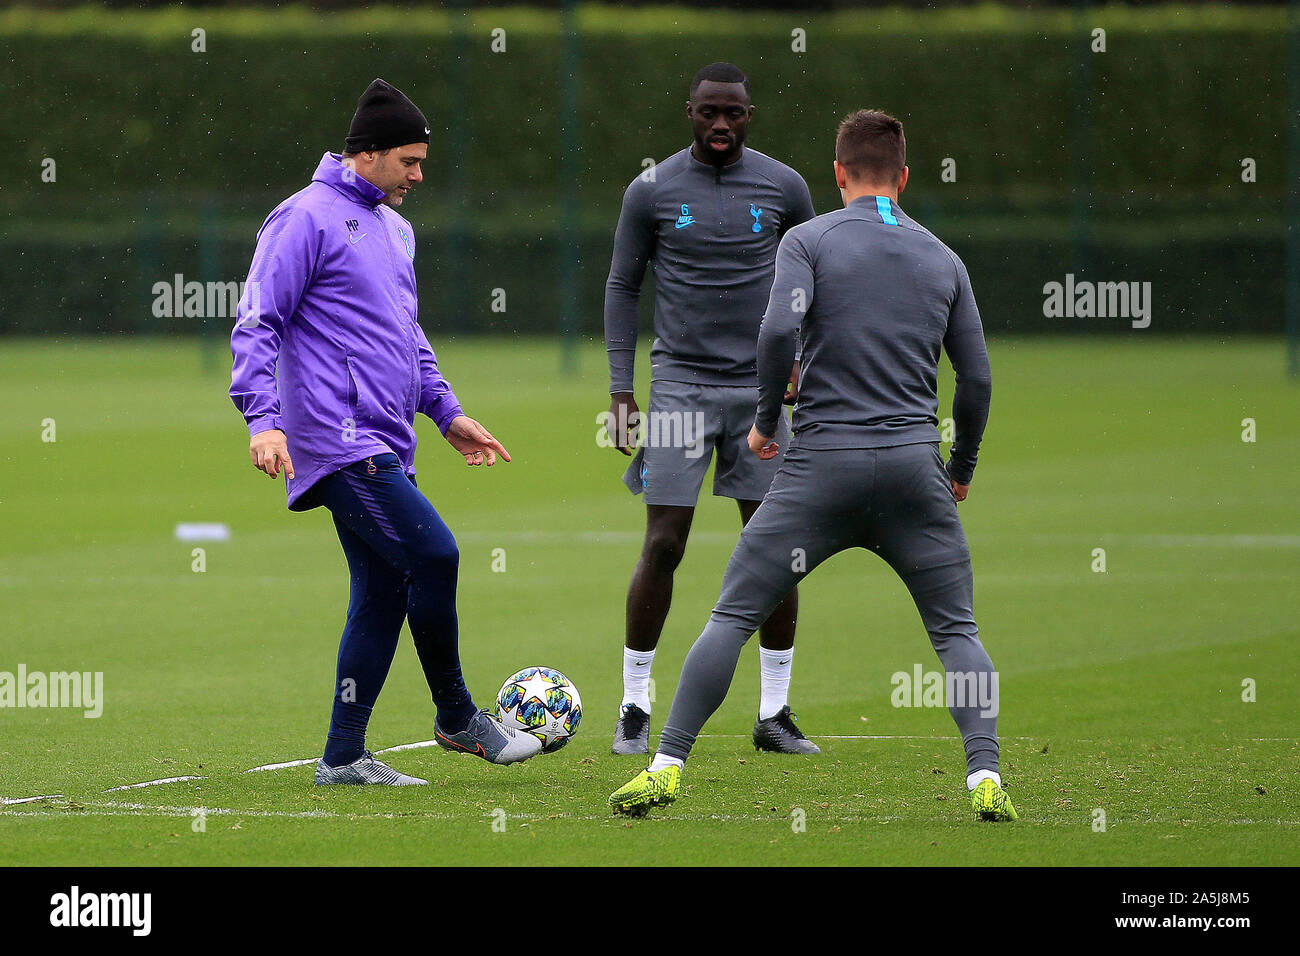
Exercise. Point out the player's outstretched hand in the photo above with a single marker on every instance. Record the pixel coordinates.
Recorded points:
(792, 387)
(270, 453)
(474, 442)
(624, 421)
(762, 445)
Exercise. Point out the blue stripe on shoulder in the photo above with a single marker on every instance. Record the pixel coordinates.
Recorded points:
(886, 210)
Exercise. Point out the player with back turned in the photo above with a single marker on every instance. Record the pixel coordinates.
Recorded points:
(709, 219)
(872, 297)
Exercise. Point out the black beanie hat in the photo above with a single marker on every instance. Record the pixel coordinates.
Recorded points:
(385, 118)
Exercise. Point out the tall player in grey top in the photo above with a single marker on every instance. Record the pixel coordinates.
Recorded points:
(873, 298)
(709, 219)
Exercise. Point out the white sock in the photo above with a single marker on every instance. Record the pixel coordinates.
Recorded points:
(774, 666)
(636, 678)
(662, 760)
(975, 776)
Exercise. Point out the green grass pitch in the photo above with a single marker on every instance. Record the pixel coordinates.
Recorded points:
(1121, 691)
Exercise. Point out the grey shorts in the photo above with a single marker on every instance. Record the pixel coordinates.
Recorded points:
(684, 425)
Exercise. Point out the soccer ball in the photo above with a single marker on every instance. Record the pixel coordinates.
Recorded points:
(542, 702)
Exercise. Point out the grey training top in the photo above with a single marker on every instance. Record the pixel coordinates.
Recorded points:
(712, 235)
(871, 296)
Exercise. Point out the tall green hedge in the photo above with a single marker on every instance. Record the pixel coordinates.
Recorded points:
(1066, 159)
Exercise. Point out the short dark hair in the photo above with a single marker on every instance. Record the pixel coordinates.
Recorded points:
(720, 73)
(871, 146)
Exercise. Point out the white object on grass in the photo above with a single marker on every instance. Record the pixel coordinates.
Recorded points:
(211, 531)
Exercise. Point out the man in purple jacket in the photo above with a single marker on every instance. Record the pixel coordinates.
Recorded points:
(330, 367)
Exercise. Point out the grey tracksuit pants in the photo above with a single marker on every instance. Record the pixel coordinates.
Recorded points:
(895, 501)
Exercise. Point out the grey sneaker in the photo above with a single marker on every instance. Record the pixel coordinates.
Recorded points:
(779, 735)
(490, 739)
(365, 769)
(632, 735)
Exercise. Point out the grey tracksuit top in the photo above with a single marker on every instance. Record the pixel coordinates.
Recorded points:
(870, 297)
(712, 236)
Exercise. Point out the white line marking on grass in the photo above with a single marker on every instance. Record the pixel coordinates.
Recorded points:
(414, 746)
(677, 816)
(114, 809)
(282, 766)
(152, 783)
(11, 801)
(287, 764)
(306, 760)
(145, 809)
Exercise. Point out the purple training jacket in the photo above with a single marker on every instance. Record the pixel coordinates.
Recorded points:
(326, 345)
